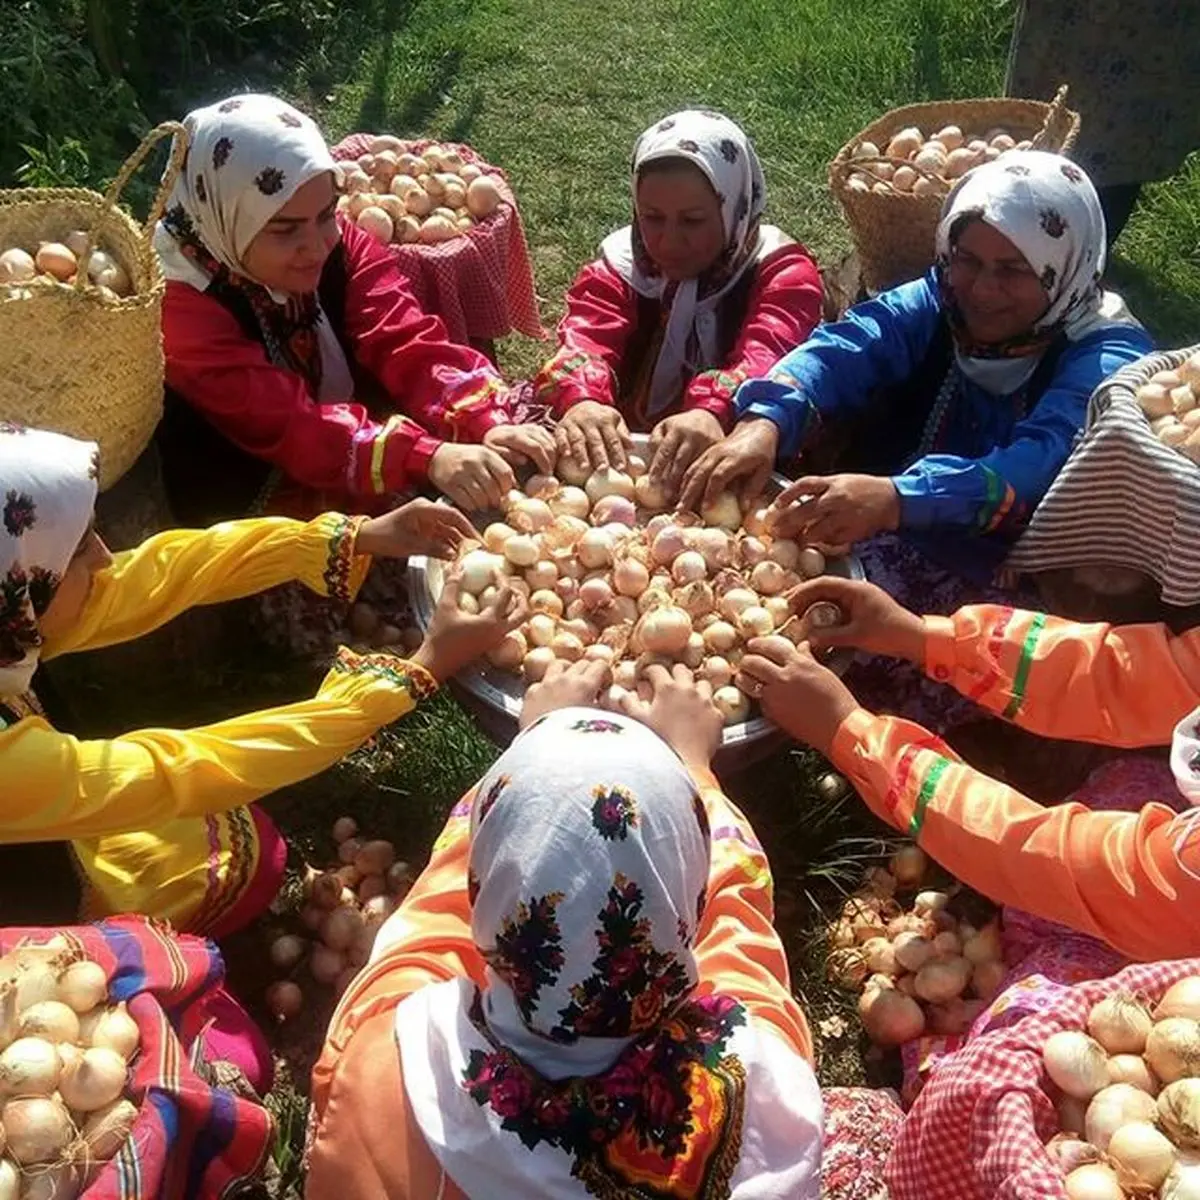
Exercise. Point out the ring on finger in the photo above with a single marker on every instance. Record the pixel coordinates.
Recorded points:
(754, 686)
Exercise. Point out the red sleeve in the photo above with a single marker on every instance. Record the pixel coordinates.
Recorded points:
(450, 389)
(783, 309)
(267, 411)
(601, 314)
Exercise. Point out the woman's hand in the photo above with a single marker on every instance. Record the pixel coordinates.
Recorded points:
(578, 684)
(747, 456)
(518, 444)
(802, 697)
(474, 477)
(874, 622)
(418, 527)
(836, 509)
(594, 435)
(677, 442)
(456, 638)
(680, 710)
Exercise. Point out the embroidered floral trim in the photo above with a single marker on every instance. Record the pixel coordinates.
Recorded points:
(20, 512)
(492, 795)
(339, 562)
(614, 812)
(414, 679)
(664, 1121)
(528, 954)
(596, 725)
(19, 633)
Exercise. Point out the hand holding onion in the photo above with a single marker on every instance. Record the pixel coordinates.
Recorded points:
(871, 619)
(457, 637)
(803, 697)
(473, 477)
(741, 462)
(593, 435)
(681, 711)
(836, 508)
(419, 527)
(565, 685)
(518, 444)
(676, 443)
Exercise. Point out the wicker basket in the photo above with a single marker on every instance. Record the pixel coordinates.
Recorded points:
(71, 359)
(893, 232)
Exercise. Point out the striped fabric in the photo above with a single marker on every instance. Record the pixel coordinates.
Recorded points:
(1123, 499)
(191, 1141)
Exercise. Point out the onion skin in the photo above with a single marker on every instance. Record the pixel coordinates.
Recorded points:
(1179, 1112)
(1143, 1157)
(890, 1018)
(1076, 1063)
(1120, 1024)
(1173, 1049)
(1181, 999)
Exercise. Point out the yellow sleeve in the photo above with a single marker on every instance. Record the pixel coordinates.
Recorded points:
(1118, 686)
(56, 786)
(172, 571)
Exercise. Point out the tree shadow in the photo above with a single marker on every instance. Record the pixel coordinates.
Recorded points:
(928, 75)
(1171, 316)
(462, 125)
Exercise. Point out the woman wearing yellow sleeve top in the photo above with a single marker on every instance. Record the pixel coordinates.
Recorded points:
(161, 821)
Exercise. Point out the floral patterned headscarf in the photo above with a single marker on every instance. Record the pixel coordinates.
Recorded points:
(48, 486)
(247, 157)
(722, 152)
(588, 1065)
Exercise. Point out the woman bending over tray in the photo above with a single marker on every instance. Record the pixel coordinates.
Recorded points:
(945, 406)
(293, 343)
(691, 299)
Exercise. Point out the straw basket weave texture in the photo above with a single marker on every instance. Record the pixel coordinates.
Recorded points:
(893, 232)
(72, 359)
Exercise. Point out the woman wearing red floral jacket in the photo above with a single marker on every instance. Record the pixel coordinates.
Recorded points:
(292, 335)
(683, 305)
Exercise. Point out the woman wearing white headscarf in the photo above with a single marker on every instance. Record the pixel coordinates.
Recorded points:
(691, 299)
(958, 397)
(292, 335)
(583, 994)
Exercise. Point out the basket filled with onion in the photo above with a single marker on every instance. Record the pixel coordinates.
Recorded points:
(612, 572)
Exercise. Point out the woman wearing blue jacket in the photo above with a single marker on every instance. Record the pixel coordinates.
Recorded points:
(949, 403)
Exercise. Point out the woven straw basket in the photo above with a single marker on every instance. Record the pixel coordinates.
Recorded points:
(893, 232)
(72, 360)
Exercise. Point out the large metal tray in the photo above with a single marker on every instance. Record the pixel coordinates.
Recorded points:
(496, 695)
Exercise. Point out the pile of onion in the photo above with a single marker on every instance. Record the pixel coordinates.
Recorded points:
(1128, 1094)
(1171, 402)
(55, 263)
(611, 574)
(64, 1059)
(368, 629)
(398, 196)
(919, 969)
(343, 910)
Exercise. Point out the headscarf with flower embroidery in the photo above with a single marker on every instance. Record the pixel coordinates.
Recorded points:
(723, 153)
(588, 1065)
(1047, 207)
(247, 157)
(48, 490)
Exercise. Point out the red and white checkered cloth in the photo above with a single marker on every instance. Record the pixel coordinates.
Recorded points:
(978, 1129)
(480, 285)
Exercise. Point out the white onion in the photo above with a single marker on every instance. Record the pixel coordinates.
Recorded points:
(1173, 1049)
(543, 574)
(1076, 1063)
(785, 552)
(608, 481)
(583, 629)
(1181, 999)
(536, 663)
(530, 515)
(614, 510)
(510, 651)
(1093, 1182)
(479, 569)
(665, 630)
(83, 985)
(723, 510)
(1120, 1024)
(547, 602)
(522, 550)
(650, 495)
(693, 652)
(1132, 1069)
(595, 593)
(595, 548)
(1114, 1106)
(37, 1129)
(732, 704)
(570, 502)
(780, 609)
(984, 946)
(716, 670)
(758, 522)
(752, 551)
(29, 1067)
(942, 979)
(49, 1019)
(912, 951)
(1178, 1112)
(94, 1081)
(714, 544)
(541, 629)
(755, 621)
(768, 578)
(567, 646)
(669, 543)
(810, 563)
(1183, 1183)
(890, 1017)
(571, 471)
(630, 577)
(736, 600)
(495, 536)
(721, 637)
(1142, 1156)
(600, 653)
(541, 487)
(689, 567)
(567, 588)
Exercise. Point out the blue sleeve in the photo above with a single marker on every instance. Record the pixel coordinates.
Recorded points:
(878, 342)
(1004, 486)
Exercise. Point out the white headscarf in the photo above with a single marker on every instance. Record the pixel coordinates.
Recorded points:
(1047, 207)
(588, 1056)
(48, 489)
(247, 157)
(722, 151)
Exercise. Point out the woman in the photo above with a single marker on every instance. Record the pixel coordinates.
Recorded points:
(958, 397)
(684, 304)
(291, 334)
(583, 994)
(158, 819)
(1131, 879)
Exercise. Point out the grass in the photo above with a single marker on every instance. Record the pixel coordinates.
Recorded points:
(556, 91)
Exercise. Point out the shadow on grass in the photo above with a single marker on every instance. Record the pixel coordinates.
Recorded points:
(1172, 316)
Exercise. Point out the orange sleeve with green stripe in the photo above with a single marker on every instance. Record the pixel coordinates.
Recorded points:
(1132, 879)
(1118, 686)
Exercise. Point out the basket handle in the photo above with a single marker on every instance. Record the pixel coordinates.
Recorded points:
(1055, 115)
(179, 147)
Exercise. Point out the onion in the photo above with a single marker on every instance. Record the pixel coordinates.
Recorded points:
(912, 951)
(696, 599)
(1076, 1063)
(530, 515)
(116, 1030)
(83, 985)
(608, 481)
(496, 536)
(669, 543)
(665, 630)
(287, 951)
(1114, 1106)
(541, 629)
(1181, 999)
(785, 552)
(1093, 1182)
(562, 537)
(752, 551)
(106, 1129)
(1120, 1024)
(947, 944)
(942, 979)
(567, 646)
(479, 569)
(37, 1129)
(988, 978)
(547, 602)
(1132, 1069)
(343, 828)
(810, 562)
(537, 663)
(616, 509)
(375, 857)
(927, 903)
(689, 567)
(909, 865)
(693, 653)
(585, 631)
(880, 955)
(732, 704)
(767, 578)
(541, 575)
(985, 946)
(1178, 1111)
(55, 259)
(1070, 1151)
(650, 495)
(347, 853)
(890, 1017)
(847, 968)
(716, 670)
(1183, 1183)
(630, 577)
(714, 544)
(595, 548)
(600, 653)
(341, 928)
(17, 266)
(522, 550)
(595, 593)
(29, 1067)
(570, 471)
(570, 502)
(736, 600)
(1173, 1049)
(325, 964)
(37, 980)
(49, 1019)
(724, 510)
(94, 1081)
(1142, 1156)
(511, 650)
(755, 621)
